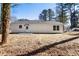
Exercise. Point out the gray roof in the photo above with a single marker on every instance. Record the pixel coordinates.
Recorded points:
(35, 22)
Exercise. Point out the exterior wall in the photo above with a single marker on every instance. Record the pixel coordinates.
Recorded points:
(44, 28)
(36, 28)
(15, 28)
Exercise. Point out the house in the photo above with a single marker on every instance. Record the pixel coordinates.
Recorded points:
(36, 26)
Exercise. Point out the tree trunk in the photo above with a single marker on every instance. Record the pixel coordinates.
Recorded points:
(5, 17)
(62, 13)
(71, 18)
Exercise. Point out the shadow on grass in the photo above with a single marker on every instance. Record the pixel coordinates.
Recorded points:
(46, 47)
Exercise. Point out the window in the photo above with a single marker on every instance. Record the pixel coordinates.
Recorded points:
(20, 26)
(54, 27)
(26, 27)
(57, 27)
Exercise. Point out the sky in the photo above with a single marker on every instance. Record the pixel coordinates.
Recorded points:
(30, 11)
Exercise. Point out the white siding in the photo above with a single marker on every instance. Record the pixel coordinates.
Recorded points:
(15, 28)
(39, 28)
(44, 28)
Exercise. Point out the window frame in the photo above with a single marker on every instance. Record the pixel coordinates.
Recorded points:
(58, 28)
(54, 27)
(20, 26)
(27, 27)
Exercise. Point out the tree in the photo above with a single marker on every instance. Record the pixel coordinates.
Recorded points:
(41, 16)
(46, 15)
(50, 14)
(74, 19)
(61, 13)
(5, 17)
(62, 20)
(71, 8)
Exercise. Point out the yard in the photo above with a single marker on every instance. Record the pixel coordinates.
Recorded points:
(41, 44)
